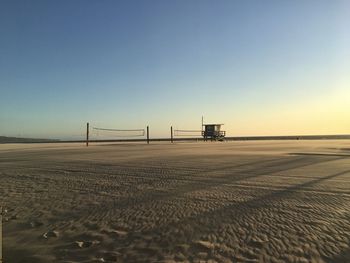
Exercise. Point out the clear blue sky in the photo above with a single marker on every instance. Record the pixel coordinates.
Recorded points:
(260, 67)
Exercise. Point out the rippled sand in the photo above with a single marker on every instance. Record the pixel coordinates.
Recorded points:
(267, 201)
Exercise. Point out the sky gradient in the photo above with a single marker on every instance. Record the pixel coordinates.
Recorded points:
(260, 67)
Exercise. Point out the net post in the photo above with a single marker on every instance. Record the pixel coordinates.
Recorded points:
(87, 134)
(171, 134)
(147, 134)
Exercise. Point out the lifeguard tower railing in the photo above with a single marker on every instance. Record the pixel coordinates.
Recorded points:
(214, 134)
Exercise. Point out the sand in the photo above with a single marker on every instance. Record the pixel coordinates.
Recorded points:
(267, 201)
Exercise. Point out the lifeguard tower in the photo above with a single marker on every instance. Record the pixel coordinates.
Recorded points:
(213, 132)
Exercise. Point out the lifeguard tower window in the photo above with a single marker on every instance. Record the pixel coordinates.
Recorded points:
(213, 132)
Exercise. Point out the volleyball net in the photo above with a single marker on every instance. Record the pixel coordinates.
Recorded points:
(107, 133)
(101, 134)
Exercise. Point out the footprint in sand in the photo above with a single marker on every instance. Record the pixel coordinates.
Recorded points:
(51, 233)
(116, 233)
(205, 245)
(111, 256)
(119, 233)
(34, 224)
(86, 244)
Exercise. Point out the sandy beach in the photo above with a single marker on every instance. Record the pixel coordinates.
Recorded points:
(256, 201)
